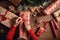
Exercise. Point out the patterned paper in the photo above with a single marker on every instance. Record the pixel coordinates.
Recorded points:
(6, 17)
(52, 7)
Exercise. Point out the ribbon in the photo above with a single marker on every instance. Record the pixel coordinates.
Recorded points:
(45, 24)
(23, 19)
(23, 31)
(3, 16)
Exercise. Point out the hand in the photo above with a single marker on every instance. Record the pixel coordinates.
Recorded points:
(18, 20)
(26, 18)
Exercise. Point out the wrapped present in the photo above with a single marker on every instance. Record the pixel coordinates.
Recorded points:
(32, 9)
(40, 31)
(52, 7)
(57, 15)
(15, 2)
(22, 30)
(26, 28)
(56, 24)
(53, 29)
(6, 17)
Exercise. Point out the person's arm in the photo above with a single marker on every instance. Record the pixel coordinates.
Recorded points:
(31, 32)
(11, 32)
(26, 18)
(34, 37)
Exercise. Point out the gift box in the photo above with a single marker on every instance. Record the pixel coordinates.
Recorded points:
(7, 17)
(15, 2)
(32, 9)
(40, 31)
(57, 15)
(25, 15)
(53, 29)
(52, 7)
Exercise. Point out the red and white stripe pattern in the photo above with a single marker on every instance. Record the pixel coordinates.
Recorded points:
(40, 31)
(52, 7)
(53, 29)
(26, 19)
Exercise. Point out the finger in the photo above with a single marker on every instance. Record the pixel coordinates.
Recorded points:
(19, 19)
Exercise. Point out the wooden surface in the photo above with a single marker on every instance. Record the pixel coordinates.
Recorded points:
(48, 34)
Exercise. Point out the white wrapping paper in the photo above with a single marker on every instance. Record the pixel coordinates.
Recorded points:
(8, 15)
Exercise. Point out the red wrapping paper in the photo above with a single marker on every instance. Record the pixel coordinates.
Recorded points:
(26, 19)
(40, 31)
(22, 29)
(52, 7)
(53, 29)
(56, 24)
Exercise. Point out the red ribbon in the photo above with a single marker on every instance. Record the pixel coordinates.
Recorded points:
(22, 16)
(45, 24)
(3, 16)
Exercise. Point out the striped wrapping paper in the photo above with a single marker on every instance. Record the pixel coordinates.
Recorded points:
(52, 7)
(22, 27)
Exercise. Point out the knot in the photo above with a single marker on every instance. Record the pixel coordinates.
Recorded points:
(23, 19)
(3, 18)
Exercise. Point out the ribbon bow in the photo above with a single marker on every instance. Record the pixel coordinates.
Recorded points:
(3, 18)
(25, 16)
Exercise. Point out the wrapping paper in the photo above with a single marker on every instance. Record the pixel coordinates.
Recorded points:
(56, 24)
(53, 29)
(40, 31)
(15, 2)
(23, 30)
(6, 17)
(52, 7)
(57, 15)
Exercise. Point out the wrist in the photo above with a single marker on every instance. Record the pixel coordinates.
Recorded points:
(28, 27)
(14, 25)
